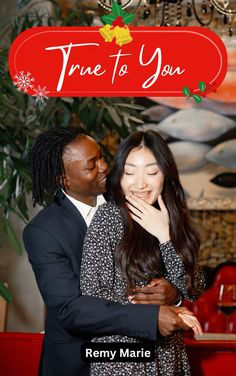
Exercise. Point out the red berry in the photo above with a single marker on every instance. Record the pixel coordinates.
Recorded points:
(118, 21)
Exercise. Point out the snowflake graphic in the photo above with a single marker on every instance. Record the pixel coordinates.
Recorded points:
(24, 81)
(41, 94)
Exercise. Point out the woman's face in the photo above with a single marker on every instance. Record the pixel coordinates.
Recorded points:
(142, 176)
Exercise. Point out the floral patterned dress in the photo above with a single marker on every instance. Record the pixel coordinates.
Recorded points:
(101, 278)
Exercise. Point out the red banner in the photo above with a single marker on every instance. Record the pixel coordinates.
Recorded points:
(76, 61)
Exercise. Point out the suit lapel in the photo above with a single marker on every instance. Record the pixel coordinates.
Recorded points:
(74, 212)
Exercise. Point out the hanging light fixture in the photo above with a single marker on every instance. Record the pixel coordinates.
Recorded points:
(107, 4)
(182, 12)
(222, 6)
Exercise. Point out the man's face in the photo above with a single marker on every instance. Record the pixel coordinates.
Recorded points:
(85, 170)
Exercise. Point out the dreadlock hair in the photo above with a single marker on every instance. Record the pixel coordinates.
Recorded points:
(46, 162)
(138, 254)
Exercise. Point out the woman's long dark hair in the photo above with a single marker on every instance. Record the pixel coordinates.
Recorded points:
(136, 254)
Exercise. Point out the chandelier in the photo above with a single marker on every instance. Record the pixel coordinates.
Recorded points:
(182, 12)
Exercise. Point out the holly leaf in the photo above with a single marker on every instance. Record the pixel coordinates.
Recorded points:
(186, 91)
(128, 18)
(117, 9)
(202, 86)
(108, 19)
(197, 98)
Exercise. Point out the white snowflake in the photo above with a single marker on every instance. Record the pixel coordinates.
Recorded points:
(24, 81)
(41, 94)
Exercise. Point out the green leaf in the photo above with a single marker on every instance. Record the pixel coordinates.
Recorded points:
(202, 86)
(186, 91)
(128, 18)
(114, 115)
(92, 117)
(136, 120)
(22, 3)
(1, 231)
(12, 237)
(108, 19)
(2, 200)
(133, 106)
(22, 206)
(5, 293)
(3, 156)
(99, 117)
(67, 99)
(84, 103)
(21, 165)
(117, 9)
(197, 98)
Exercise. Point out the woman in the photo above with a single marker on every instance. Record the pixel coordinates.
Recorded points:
(143, 233)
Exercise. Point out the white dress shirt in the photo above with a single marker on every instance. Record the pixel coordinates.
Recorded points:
(85, 210)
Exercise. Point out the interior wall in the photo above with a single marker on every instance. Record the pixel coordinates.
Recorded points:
(7, 11)
(218, 236)
(26, 312)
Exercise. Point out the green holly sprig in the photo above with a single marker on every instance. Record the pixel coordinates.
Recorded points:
(117, 11)
(197, 98)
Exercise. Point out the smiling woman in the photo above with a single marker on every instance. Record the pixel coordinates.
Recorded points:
(142, 176)
(164, 199)
(143, 236)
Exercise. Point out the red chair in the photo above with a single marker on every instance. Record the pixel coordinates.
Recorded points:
(215, 323)
(232, 323)
(225, 275)
(206, 307)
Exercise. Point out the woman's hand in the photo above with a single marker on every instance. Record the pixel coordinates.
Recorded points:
(155, 221)
(176, 318)
(192, 322)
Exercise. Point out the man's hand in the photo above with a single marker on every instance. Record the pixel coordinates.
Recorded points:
(158, 291)
(169, 320)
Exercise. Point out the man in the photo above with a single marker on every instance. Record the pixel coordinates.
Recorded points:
(69, 167)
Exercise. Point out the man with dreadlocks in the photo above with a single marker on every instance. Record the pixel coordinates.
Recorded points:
(68, 168)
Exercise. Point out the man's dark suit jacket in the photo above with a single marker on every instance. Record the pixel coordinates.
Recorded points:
(54, 242)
